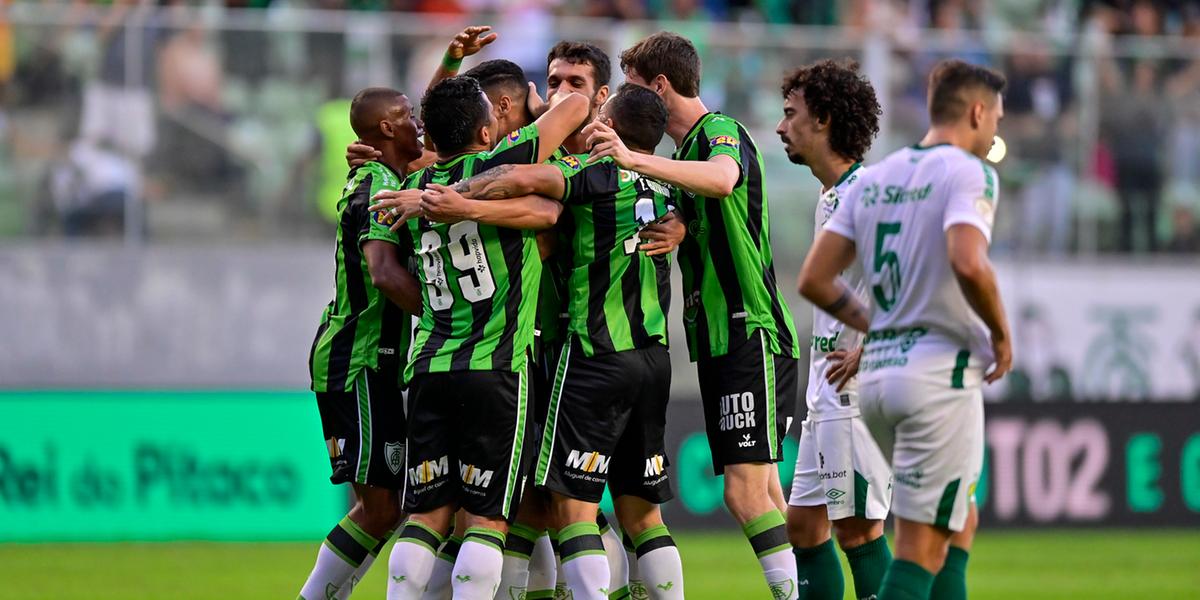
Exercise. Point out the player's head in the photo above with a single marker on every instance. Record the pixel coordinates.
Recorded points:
(384, 117)
(828, 107)
(579, 67)
(505, 85)
(664, 62)
(638, 115)
(458, 116)
(967, 96)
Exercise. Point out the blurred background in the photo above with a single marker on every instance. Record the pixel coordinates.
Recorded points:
(168, 177)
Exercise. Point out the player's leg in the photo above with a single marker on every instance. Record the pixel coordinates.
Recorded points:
(439, 587)
(637, 586)
(614, 552)
(818, 569)
(639, 482)
(749, 395)
(951, 581)
(518, 548)
(431, 490)
(854, 464)
(494, 424)
(543, 568)
(360, 450)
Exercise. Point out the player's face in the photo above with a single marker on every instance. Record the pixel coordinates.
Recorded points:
(565, 77)
(797, 129)
(989, 124)
(408, 128)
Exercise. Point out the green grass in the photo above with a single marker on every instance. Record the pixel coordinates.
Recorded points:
(1034, 564)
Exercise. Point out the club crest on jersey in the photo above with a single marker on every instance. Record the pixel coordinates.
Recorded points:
(393, 452)
(514, 136)
(727, 141)
(383, 217)
(571, 161)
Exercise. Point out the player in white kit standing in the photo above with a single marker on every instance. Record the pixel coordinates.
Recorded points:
(920, 222)
(842, 482)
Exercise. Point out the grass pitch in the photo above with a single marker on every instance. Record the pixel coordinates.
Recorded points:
(1031, 564)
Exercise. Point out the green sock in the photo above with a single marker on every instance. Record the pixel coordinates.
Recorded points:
(868, 563)
(819, 572)
(906, 581)
(951, 581)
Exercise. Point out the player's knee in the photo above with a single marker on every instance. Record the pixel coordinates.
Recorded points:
(853, 532)
(636, 515)
(807, 526)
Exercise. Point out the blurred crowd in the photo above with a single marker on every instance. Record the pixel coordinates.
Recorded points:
(190, 127)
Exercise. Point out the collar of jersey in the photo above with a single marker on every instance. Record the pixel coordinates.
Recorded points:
(918, 146)
(854, 167)
(691, 134)
(384, 165)
(441, 166)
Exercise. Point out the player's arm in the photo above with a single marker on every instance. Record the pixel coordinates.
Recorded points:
(510, 181)
(820, 282)
(389, 276)
(468, 42)
(967, 248)
(444, 205)
(712, 178)
(566, 114)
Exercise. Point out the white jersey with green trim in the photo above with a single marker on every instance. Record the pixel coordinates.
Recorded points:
(897, 214)
(824, 400)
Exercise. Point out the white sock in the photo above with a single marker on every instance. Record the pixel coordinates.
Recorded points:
(780, 568)
(439, 583)
(637, 587)
(583, 561)
(659, 565)
(356, 577)
(480, 562)
(618, 565)
(514, 576)
(543, 568)
(345, 549)
(411, 563)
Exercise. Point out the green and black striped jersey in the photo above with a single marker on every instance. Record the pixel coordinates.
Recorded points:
(729, 282)
(361, 328)
(480, 282)
(619, 296)
(552, 296)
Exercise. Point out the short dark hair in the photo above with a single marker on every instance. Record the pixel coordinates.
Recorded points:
(948, 83)
(838, 93)
(668, 54)
(578, 53)
(453, 110)
(639, 116)
(369, 107)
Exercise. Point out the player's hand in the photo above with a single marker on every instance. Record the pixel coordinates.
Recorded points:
(401, 205)
(663, 236)
(537, 106)
(843, 366)
(359, 152)
(444, 205)
(1002, 350)
(470, 41)
(603, 141)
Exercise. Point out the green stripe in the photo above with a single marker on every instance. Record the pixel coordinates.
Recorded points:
(770, 551)
(552, 415)
(769, 371)
(764, 522)
(364, 539)
(620, 594)
(539, 595)
(960, 365)
(341, 554)
(364, 424)
(485, 536)
(514, 460)
(656, 531)
(860, 495)
(524, 532)
(437, 536)
(584, 553)
(575, 530)
(946, 505)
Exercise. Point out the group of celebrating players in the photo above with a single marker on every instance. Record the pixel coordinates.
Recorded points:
(532, 241)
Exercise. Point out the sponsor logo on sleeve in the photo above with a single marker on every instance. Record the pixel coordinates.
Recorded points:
(727, 141)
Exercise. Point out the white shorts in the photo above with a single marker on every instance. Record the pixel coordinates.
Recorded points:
(932, 435)
(839, 465)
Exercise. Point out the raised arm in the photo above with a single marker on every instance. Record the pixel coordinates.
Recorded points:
(967, 248)
(510, 181)
(565, 116)
(819, 282)
(468, 42)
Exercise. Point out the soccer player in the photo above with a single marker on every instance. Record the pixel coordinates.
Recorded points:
(920, 223)
(830, 116)
(608, 411)
(468, 381)
(360, 349)
(739, 328)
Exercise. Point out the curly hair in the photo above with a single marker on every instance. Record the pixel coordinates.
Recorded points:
(837, 92)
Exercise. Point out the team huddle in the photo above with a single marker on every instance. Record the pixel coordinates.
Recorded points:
(533, 240)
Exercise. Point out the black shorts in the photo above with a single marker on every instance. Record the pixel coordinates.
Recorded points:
(364, 430)
(545, 364)
(749, 397)
(465, 440)
(606, 423)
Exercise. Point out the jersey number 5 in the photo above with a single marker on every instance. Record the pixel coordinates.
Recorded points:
(887, 263)
(468, 255)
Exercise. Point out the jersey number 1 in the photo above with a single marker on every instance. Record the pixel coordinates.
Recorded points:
(469, 256)
(885, 295)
